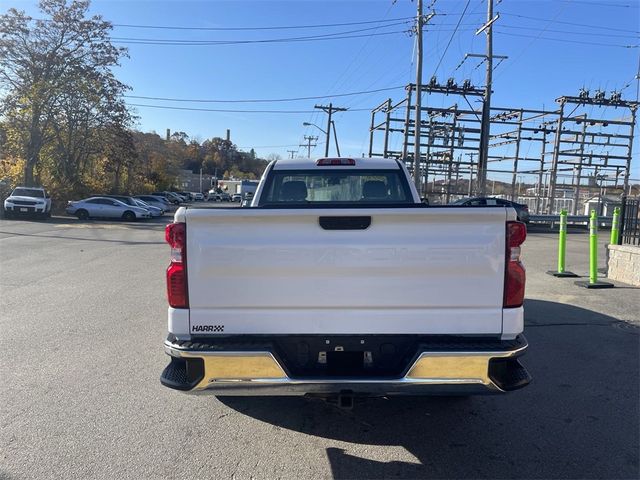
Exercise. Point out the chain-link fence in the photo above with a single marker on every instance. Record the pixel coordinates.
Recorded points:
(599, 193)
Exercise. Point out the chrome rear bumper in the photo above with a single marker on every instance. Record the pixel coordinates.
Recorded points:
(258, 372)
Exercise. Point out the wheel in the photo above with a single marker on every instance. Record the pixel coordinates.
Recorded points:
(8, 215)
(82, 214)
(128, 216)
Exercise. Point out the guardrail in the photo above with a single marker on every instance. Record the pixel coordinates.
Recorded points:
(571, 219)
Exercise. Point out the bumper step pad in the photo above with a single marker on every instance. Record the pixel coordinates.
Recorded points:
(183, 373)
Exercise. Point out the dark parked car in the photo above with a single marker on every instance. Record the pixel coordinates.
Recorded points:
(187, 195)
(522, 211)
(171, 197)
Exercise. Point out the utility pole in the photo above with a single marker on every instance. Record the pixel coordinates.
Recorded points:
(418, 123)
(515, 160)
(540, 186)
(292, 152)
(576, 193)
(309, 139)
(329, 109)
(405, 142)
(386, 127)
(551, 193)
(486, 108)
(335, 136)
(471, 154)
(420, 21)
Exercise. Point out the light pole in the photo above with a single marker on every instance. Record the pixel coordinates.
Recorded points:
(335, 137)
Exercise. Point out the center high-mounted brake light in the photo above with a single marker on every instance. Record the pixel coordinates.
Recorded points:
(514, 272)
(177, 293)
(336, 162)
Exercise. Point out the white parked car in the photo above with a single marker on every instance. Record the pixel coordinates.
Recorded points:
(197, 196)
(27, 201)
(104, 207)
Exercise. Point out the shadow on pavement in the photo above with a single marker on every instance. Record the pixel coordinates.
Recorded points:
(578, 419)
(82, 239)
(66, 220)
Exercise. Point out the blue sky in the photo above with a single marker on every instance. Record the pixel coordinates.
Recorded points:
(537, 72)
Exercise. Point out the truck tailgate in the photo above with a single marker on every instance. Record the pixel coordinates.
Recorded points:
(413, 270)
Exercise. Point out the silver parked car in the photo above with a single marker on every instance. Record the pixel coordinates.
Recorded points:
(154, 211)
(155, 201)
(104, 207)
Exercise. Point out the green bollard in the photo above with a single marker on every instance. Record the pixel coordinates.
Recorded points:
(593, 256)
(593, 247)
(562, 248)
(615, 227)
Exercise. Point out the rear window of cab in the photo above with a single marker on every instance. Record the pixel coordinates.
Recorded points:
(336, 186)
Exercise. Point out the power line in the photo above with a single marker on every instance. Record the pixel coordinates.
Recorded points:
(327, 36)
(553, 20)
(608, 4)
(345, 73)
(267, 146)
(520, 27)
(538, 37)
(544, 28)
(280, 27)
(166, 107)
(272, 100)
(344, 32)
(451, 39)
(194, 44)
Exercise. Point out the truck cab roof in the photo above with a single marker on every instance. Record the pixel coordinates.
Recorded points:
(346, 162)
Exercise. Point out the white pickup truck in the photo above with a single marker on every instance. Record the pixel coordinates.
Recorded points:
(339, 281)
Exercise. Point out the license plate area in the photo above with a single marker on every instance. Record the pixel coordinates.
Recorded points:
(345, 364)
(335, 356)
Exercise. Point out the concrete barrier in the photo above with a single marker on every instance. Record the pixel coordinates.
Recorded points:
(624, 264)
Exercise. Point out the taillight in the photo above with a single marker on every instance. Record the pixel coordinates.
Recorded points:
(176, 236)
(514, 275)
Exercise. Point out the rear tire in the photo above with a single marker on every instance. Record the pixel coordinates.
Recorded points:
(82, 214)
(128, 216)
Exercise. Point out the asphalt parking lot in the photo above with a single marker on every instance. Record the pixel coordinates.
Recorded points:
(83, 317)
